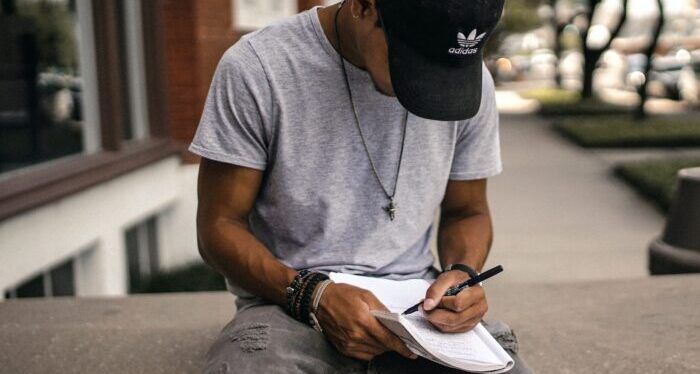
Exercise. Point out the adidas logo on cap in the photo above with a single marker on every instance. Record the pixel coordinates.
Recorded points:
(467, 43)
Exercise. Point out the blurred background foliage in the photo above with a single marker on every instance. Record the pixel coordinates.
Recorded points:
(190, 278)
(518, 16)
(655, 179)
(56, 41)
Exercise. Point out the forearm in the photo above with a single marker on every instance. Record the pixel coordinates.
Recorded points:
(229, 247)
(466, 239)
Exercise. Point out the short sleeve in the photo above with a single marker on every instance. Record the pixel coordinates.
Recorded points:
(477, 151)
(236, 123)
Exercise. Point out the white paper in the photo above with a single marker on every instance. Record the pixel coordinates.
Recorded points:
(475, 350)
(397, 296)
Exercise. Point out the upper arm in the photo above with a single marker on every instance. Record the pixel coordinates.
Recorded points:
(226, 194)
(226, 191)
(233, 138)
(463, 199)
(236, 125)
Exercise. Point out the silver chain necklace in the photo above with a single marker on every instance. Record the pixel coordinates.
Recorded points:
(391, 208)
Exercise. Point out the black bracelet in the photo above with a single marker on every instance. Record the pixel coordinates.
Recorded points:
(462, 267)
(300, 293)
(293, 290)
(299, 297)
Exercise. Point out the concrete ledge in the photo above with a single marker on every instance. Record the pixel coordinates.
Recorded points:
(650, 325)
(163, 333)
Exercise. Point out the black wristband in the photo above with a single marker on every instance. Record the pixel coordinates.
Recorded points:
(293, 290)
(462, 267)
(300, 294)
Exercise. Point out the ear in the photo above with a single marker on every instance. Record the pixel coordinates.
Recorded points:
(363, 8)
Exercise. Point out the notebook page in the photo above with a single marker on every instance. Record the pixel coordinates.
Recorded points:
(467, 346)
(397, 296)
(496, 348)
(391, 321)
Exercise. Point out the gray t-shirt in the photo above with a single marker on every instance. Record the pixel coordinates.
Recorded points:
(278, 103)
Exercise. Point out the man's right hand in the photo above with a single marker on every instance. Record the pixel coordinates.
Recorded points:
(344, 315)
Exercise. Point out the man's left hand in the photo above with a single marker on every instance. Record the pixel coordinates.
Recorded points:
(457, 313)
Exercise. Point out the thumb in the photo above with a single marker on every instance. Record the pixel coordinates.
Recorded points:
(373, 302)
(437, 290)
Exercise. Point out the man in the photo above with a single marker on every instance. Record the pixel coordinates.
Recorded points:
(313, 162)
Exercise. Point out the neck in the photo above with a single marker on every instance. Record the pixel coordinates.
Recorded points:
(347, 42)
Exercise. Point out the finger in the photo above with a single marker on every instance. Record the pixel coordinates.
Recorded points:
(361, 355)
(364, 341)
(372, 349)
(381, 333)
(454, 319)
(372, 302)
(463, 300)
(439, 287)
(464, 327)
(389, 339)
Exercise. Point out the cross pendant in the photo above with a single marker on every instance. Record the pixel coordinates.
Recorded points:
(391, 210)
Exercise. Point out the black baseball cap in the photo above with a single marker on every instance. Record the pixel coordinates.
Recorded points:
(436, 53)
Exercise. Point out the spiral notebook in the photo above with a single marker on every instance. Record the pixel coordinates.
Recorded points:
(475, 350)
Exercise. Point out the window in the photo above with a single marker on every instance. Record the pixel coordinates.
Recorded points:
(255, 14)
(131, 43)
(82, 79)
(57, 281)
(141, 253)
(43, 93)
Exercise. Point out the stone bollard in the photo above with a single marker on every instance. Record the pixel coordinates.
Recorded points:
(678, 249)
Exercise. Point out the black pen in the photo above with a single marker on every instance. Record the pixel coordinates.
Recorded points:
(468, 283)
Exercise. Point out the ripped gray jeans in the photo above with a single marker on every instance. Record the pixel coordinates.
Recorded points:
(263, 338)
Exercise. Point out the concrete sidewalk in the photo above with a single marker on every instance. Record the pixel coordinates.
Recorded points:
(560, 215)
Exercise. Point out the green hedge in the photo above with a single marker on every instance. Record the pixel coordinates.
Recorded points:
(655, 179)
(190, 278)
(557, 102)
(624, 131)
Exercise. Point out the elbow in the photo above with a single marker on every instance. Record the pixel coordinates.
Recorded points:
(214, 240)
(202, 243)
(202, 251)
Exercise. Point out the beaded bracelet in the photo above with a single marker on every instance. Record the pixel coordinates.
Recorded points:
(300, 292)
(294, 288)
(306, 296)
(299, 297)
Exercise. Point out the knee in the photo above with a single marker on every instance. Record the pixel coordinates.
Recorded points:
(240, 348)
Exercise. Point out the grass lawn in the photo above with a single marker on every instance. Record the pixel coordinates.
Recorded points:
(557, 102)
(624, 131)
(189, 278)
(655, 179)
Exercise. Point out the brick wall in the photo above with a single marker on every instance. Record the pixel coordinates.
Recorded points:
(197, 33)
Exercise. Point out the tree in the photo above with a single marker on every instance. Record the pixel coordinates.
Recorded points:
(649, 52)
(591, 55)
(558, 23)
(518, 16)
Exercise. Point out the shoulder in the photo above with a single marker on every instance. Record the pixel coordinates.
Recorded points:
(281, 37)
(256, 52)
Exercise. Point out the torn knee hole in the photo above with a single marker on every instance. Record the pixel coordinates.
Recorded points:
(251, 337)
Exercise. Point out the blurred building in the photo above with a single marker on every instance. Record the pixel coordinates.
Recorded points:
(98, 99)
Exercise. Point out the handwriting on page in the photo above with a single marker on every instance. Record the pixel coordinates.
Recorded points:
(462, 346)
